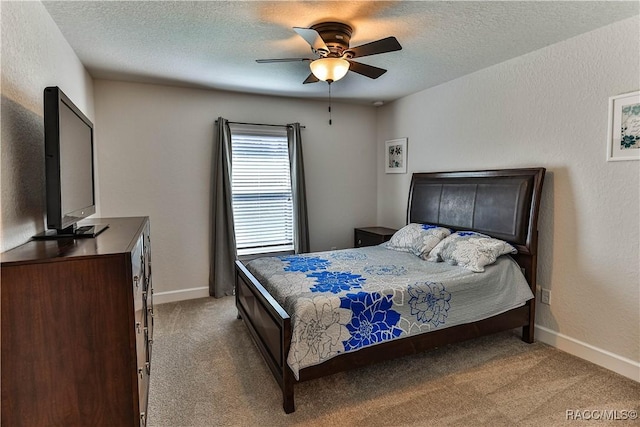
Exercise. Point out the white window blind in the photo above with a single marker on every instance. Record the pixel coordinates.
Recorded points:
(261, 188)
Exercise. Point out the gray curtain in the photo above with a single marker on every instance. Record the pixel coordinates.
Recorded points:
(223, 239)
(300, 221)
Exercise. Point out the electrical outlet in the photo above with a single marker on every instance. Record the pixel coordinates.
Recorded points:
(333, 248)
(545, 296)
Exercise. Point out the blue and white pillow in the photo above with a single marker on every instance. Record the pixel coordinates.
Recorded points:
(470, 250)
(419, 239)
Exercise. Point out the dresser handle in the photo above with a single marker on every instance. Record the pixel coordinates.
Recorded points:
(136, 281)
(138, 327)
(141, 372)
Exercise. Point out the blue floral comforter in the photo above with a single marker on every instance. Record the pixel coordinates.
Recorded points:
(341, 301)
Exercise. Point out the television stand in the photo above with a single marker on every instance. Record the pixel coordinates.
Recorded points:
(88, 231)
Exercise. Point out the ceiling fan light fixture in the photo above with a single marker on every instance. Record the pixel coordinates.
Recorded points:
(329, 69)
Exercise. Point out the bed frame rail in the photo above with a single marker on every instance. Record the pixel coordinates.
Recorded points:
(269, 325)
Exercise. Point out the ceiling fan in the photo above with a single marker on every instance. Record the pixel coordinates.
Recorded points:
(329, 41)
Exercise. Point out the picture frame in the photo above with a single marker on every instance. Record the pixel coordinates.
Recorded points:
(623, 133)
(395, 157)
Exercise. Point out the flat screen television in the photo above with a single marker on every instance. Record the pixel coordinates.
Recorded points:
(69, 168)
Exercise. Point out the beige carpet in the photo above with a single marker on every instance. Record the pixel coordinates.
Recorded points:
(206, 371)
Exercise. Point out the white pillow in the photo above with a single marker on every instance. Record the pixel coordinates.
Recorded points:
(419, 239)
(470, 250)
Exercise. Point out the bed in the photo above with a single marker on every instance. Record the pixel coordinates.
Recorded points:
(501, 204)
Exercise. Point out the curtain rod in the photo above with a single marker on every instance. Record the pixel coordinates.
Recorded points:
(260, 124)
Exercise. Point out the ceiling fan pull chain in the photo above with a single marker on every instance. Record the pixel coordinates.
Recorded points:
(329, 103)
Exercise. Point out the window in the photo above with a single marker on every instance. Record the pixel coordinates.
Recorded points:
(261, 188)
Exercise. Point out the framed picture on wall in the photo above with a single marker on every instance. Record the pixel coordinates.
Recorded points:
(623, 136)
(395, 158)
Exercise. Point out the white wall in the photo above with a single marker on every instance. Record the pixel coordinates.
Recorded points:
(34, 55)
(547, 108)
(155, 159)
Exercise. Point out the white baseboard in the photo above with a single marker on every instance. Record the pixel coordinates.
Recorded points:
(621, 365)
(180, 295)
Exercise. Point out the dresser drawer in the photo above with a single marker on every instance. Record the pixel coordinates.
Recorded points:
(137, 265)
(148, 315)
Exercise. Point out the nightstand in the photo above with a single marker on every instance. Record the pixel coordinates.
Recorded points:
(371, 236)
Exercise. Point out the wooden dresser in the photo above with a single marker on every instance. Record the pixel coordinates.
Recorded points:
(77, 328)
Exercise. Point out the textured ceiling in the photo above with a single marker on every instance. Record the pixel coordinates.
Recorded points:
(214, 44)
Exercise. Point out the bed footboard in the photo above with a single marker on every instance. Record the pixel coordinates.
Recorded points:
(270, 326)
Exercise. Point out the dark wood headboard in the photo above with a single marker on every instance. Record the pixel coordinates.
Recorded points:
(500, 203)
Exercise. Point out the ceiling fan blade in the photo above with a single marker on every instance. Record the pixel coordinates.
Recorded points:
(311, 79)
(267, 61)
(313, 38)
(366, 70)
(390, 44)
